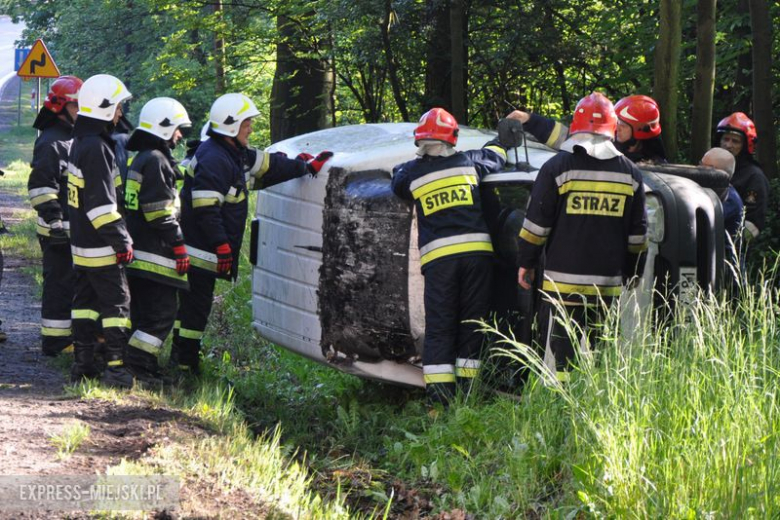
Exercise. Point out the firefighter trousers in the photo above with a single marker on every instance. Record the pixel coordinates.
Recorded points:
(152, 311)
(191, 320)
(456, 290)
(568, 332)
(58, 282)
(101, 294)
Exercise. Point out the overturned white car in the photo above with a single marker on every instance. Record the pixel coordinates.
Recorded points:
(336, 266)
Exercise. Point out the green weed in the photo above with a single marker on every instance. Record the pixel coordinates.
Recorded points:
(70, 438)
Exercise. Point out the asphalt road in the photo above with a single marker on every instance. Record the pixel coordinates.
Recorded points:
(9, 32)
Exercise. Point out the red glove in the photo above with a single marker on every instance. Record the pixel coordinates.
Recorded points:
(182, 259)
(224, 258)
(315, 165)
(125, 257)
(305, 157)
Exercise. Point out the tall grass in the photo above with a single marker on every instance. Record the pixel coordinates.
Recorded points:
(675, 423)
(672, 419)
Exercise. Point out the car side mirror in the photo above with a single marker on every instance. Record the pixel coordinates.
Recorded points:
(510, 133)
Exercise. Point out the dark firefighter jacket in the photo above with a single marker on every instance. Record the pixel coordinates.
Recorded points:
(151, 208)
(214, 196)
(553, 134)
(445, 191)
(47, 186)
(590, 217)
(97, 229)
(753, 186)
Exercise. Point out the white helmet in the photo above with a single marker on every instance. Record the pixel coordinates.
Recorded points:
(229, 111)
(100, 95)
(162, 116)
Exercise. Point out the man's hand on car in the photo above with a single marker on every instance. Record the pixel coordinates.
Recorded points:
(521, 116)
(315, 164)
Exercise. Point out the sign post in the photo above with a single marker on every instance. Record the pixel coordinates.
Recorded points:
(38, 64)
(19, 56)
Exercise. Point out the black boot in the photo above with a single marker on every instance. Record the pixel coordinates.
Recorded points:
(185, 359)
(83, 364)
(117, 376)
(439, 394)
(145, 368)
(100, 353)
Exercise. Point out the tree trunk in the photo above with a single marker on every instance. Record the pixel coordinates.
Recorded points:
(438, 86)
(667, 65)
(301, 91)
(219, 55)
(392, 66)
(704, 84)
(458, 62)
(561, 75)
(761, 24)
(741, 93)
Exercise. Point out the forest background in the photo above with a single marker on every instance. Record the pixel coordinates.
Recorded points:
(683, 426)
(314, 64)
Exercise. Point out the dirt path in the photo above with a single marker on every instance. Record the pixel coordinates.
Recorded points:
(34, 405)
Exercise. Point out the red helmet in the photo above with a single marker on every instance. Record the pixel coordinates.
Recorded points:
(595, 114)
(64, 90)
(641, 114)
(742, 124)
(437, 124)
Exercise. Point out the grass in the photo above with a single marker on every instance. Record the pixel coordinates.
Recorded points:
(677, 421)
(71, 437)
(16, 143)
(16, 147)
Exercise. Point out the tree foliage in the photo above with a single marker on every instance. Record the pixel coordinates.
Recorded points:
(390, 58)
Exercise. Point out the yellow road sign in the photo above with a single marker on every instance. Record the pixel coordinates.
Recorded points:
(39, 63)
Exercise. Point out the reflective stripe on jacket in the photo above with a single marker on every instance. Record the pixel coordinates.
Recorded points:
(152, 215)
(589, 216)
(214, 196)
(97, 228)
(47, 186)
(445, 191)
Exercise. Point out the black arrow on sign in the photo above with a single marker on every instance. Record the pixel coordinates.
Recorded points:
(38, 63)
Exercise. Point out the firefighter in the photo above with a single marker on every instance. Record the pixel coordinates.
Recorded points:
(733, 207)
(737, 134)
(587, 213)
(214, 212)
(47, 188)
(100, 244)
(456, 252)
(160, 262)
(121, 135)
(638, 133)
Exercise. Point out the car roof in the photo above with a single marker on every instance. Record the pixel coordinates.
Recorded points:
(383, 145)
